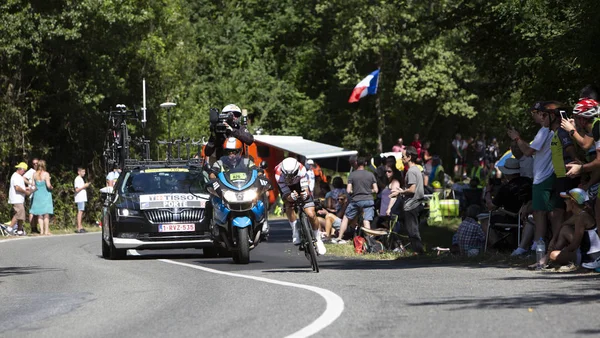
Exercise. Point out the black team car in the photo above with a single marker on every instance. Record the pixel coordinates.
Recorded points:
(156, 205)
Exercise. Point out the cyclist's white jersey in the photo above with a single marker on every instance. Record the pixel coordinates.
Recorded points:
(300, 179)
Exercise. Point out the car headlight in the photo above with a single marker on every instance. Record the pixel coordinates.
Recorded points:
(128, 212)
(240, 196)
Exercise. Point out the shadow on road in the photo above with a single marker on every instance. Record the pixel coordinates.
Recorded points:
(513, 302)
(25, 270)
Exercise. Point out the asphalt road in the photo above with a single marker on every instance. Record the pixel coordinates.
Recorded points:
(60, 287)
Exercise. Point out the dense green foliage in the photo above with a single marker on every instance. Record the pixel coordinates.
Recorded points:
(446, 66)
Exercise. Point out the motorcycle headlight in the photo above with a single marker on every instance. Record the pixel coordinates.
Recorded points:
(128, 212)
(240, 196)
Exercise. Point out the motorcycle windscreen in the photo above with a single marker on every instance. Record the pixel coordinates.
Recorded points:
(238, 178)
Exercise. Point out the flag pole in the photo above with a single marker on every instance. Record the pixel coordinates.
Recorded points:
(380, 125)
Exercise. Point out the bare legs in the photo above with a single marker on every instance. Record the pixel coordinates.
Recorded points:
(44, 221)
(79, 217)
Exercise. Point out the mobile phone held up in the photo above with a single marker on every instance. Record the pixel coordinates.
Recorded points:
(510, 126)
(563, 114)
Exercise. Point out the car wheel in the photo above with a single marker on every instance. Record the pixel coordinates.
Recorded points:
(105, 249)
(114, 253)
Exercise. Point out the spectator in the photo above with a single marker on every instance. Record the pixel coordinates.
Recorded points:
(425, 155)
(333, 221)
(480, 147)
(361, 186)
(394, 176)
(511, 195)
(399, 146)
(470, 235)
(543, 172)
(492, 150)
(324, 189)
(42, 202)
(470, 157)
(525, 162)
(413, 194)
(80, 197)
(311, 175)
(577, 235)
(563, 152)
(31, 184)
(112, 176)
(458, 151)
(417, 144)
(331, 198)
(437, 171)
(16, 197)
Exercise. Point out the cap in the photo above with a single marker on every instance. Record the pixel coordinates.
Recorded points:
(310, 162)
(538, 106)
(511, 166)
(22, 165)
(577, 194)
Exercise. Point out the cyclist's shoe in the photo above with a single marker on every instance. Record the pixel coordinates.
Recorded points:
(321, 250)
(295, 236)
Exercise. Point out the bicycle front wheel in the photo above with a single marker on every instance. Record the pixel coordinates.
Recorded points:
(308, 242)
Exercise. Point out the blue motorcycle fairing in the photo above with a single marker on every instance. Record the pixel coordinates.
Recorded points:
(242, 222)
(220, 211)
(259, 210)
(230, 186)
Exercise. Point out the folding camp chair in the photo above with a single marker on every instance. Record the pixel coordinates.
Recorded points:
(506, 228)
(389, 238)
(4, 230)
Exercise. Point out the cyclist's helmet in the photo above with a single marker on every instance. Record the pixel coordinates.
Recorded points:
(232, 145)
(290, 168)
(586, 108)
(232, 108)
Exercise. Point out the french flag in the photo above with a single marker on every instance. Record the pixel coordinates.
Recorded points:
(368, 86)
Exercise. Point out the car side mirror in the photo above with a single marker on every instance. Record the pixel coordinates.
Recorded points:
(264, 165)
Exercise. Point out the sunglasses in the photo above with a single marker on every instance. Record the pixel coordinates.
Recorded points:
(341, 199)
(389, 171)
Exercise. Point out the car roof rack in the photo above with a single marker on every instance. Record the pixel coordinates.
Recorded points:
(133, 164)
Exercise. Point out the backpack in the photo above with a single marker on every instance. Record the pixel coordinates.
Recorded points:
(373, 245)
(360, 245)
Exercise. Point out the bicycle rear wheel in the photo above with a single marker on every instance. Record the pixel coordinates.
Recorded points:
(308, 242)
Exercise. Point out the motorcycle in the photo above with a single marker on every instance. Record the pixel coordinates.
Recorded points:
(237, 196)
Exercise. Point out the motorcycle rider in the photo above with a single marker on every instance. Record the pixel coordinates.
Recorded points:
(236, 129)
(233, 158)
(293, 181)
(232, 148)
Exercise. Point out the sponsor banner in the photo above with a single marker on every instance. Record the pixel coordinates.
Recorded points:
(161, 201)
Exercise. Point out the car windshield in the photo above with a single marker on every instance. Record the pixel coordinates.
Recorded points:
(161, 181)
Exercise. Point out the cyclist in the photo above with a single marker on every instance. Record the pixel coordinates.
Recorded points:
(236, 129)
(292, 179)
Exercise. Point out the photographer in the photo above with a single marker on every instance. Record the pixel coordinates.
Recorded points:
(224, 125)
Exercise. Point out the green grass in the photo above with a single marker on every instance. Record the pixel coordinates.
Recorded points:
(436, 236)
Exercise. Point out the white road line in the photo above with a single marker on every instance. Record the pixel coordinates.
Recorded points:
(334, 308)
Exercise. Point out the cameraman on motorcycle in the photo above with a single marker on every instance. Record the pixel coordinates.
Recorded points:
(293, 181)
(233, 129)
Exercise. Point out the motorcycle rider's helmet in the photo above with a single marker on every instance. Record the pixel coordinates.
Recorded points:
(289, 169)
(232, 108)
(586, 108)
(232, 145)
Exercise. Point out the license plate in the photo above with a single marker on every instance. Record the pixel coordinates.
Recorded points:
(176, 227)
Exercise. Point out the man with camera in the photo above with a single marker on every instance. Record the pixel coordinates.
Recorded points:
(224, 125)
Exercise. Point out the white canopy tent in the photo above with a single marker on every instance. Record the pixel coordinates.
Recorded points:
(326, 155)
